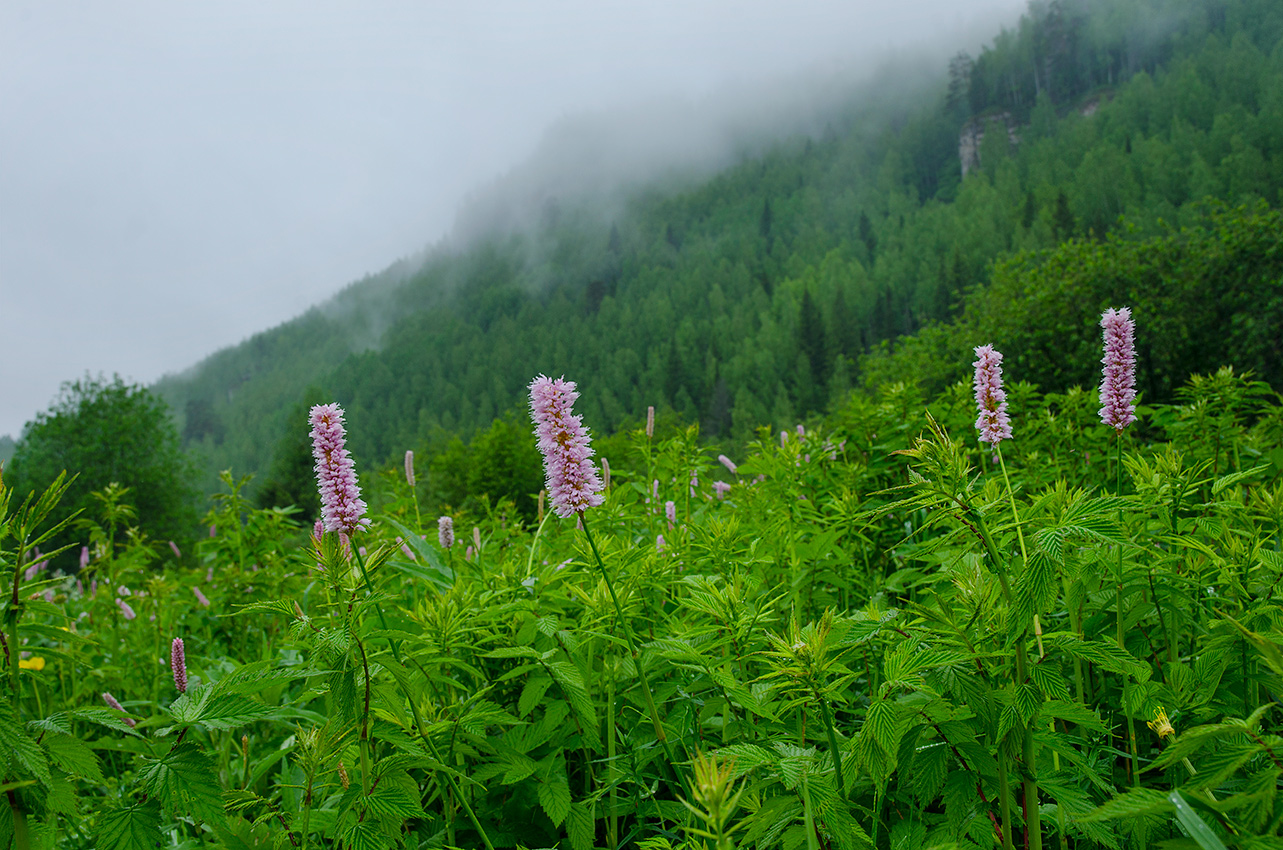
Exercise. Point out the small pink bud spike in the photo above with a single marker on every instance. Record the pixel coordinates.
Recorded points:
(178, 663)
(650, 422)
(112, 702)
(409, 468)
(728, 463)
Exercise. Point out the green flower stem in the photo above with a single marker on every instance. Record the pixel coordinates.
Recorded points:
(833, 739)
(1131, 722)
(1033, 823)
(1004, 800)
(632, 648)
(418, 719)
(1030, 782)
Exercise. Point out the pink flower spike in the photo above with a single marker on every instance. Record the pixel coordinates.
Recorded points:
(84, 557)
(670, 511)
(125, 609)
(728, 463)
(213, 531)
(721, 488)
(409, 468)
(650, 422)
(174, 546)
(467, 554)
(200, 597)
(565, 445)
(341, 503)
(1118, 373)
(991, 401)
(178, 663)
(445, 532)
(659, 543)
(112, 702)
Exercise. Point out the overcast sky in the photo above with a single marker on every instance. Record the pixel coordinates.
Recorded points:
(175, 176)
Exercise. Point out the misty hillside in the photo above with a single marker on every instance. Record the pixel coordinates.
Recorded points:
(757, 295)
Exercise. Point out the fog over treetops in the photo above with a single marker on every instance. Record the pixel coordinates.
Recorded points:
(177, 179)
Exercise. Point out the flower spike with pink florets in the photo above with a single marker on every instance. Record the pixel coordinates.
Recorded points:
(573, 482)
(1118, 373)
(178, 663)
(991, 400)
(341, 503)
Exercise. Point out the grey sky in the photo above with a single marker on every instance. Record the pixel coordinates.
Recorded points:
(175, 176)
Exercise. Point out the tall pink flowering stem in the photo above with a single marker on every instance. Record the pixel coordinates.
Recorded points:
(1118, 410)
(995, 426)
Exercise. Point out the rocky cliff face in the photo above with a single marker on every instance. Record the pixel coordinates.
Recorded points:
(973, 133)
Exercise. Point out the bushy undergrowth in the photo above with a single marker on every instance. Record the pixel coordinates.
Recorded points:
(1055, 662)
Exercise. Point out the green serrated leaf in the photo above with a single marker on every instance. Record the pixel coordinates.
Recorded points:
(532, 693)
(185, 780)
(1138, 801)
(135, 827)
(72, 756)
(107, 717)
(554, 796)
(570, 680)
(1234, 477)
(396, 795)
(216, 710)
(19, 748)
(579, 826)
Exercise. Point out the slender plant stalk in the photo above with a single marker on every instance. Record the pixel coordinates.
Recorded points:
(1033, 820)
(418, 719)
(632, 648)
(612, 823)
(1004, 800)
(833, 739)
(1131, 723)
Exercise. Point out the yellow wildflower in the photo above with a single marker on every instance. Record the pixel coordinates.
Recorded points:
(36, 663)
(1161, 724)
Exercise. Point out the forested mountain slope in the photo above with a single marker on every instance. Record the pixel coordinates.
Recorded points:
(749, 299)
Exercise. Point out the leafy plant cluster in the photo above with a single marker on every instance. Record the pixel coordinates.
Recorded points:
(883, 634)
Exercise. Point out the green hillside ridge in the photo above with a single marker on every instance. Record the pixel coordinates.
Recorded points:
(755, 297)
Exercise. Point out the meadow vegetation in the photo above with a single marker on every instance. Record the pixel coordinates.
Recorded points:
(874, 631)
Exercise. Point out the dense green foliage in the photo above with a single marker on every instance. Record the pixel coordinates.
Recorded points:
(109, 432)
(748, 299)
(994, 653)
(1212, 288)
